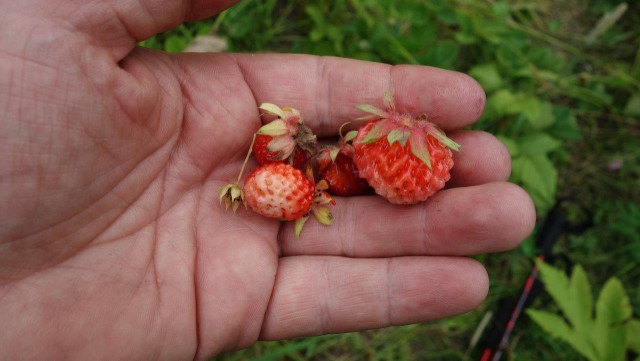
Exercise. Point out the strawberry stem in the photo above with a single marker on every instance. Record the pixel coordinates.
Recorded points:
(246, 159)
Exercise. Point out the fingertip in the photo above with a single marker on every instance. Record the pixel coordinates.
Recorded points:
(483, 159)
(453, 100)
(478, 283)
(477, 93)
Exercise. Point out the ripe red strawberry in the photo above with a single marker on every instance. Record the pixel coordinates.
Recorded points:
(286, 139)
(336, 167)
(263, 155)
(343, 178)
(406, 159)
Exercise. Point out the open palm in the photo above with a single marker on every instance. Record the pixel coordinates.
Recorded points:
(112, 243)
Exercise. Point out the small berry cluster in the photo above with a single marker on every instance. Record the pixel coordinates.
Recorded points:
(403, 158)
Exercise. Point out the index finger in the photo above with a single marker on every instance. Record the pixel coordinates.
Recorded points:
(326, 89)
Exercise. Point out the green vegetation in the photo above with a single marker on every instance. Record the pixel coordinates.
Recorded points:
(563, 88)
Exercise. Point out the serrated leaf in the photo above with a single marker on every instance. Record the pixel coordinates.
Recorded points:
(274, 128)
(556, 283)
(272, 109)
(562, 291)
(581, 314)
(539, 177)
(551, 323)
(372, 110)
(612, 310)
(555, 326)
(633, 335)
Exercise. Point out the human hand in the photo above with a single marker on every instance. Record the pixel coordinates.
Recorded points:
(112, 243)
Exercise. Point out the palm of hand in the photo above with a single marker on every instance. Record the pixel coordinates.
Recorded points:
(112, 242)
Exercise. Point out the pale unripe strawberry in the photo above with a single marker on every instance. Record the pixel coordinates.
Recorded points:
(278, 190)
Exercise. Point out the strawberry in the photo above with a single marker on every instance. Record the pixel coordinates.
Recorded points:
(264, 156)
(278, 190)
(406, 159)
(336, 167)
(342, 177)
(285, 139)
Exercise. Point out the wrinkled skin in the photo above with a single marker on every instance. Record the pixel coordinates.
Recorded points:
(112, 243)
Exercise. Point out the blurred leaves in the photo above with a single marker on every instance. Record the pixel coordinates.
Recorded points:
(599, 336)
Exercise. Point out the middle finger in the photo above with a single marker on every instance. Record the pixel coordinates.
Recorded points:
(459, 221)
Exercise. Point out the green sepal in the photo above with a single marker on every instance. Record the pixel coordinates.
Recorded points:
(232, 196)
(224, 190)
(272, 109)
(379, 130)
(448, 142)
(323, 185)
(399, 135)
(419, 148)
(351, 135)
(366, 118)
(299, 223)
(323, 215)
(372, 110)
(274, 128)
(333, 153)
(283, 145)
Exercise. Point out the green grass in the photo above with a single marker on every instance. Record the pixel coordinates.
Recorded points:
(568, 111)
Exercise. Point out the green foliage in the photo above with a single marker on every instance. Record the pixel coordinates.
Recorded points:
(603, 334)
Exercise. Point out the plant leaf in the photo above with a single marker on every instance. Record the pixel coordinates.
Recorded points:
(556, 283)
(551, 323)
(557, 327)
(612, 310)
(538, 143)
(633, 335)
(581, 314)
